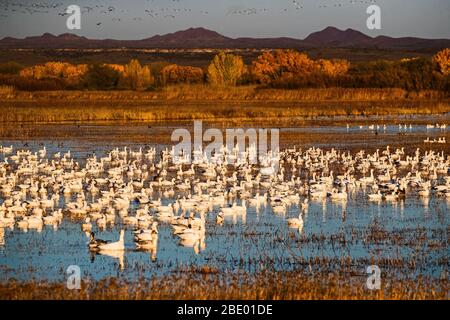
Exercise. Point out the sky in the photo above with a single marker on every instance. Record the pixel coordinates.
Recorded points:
(137, 19)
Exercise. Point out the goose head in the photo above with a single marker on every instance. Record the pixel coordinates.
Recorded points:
(155, 227)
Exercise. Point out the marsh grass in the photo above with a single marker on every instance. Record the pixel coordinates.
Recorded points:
(201, 285)
(6, 91)
(188, 102)
(202, 92)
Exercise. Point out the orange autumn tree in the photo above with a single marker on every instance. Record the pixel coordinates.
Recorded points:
(333, 68)
(442, 61)
(60, 70)
(117, 67)
(181, 74)
(282, 65)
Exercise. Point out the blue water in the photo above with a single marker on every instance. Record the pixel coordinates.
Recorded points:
(263, 240)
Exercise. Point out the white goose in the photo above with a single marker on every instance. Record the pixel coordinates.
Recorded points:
(393, 196)
(296, 222)
(6, 221)
(268, 171)
(147, 239)
(114, 246)
(190, 235)
(146, 235)
(242, 209)
(336, 195)
(304, 205)
(375, 196)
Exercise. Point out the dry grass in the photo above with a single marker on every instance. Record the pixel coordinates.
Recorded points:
(200, 285)
(205, 92)
(202, 92)
(189, 102)
(80, 111)
(7, 91)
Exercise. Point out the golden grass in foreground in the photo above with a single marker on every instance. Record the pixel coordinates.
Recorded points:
(207, 284)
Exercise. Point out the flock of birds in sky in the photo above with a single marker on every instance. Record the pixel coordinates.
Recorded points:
(153, 9)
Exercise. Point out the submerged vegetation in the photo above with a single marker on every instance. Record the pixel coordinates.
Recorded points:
(205, 284)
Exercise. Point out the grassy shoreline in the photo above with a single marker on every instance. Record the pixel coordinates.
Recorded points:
(207, 103)
(208, 284)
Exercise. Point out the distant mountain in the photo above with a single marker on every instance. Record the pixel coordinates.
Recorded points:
(192, 34)
(333, 37)
(204, 38)
(190, 38)
(407, 43)
(48, 40)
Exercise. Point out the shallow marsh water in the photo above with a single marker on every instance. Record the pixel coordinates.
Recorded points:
(417, 229)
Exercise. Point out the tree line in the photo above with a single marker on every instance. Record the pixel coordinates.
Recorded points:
(286, 69)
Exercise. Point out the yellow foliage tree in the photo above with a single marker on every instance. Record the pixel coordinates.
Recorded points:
(137, 77)
(181, 74)
(74, 71)
(282, 64)
(334, 67)
(442, 60)
(117, 67)
(226, 69)
(60, 70)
